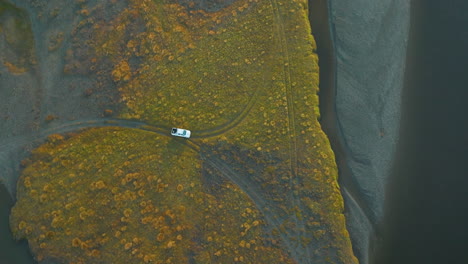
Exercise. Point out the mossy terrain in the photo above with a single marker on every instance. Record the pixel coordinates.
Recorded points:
(133, 198)
(257, 183)
(15, 29)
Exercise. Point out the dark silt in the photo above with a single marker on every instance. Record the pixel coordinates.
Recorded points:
(426, 212)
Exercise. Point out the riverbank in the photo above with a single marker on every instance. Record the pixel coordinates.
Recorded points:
(355, 207)
(362, 51)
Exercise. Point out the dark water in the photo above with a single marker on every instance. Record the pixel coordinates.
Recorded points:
(426, 218)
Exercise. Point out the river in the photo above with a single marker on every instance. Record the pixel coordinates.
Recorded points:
(426, 211)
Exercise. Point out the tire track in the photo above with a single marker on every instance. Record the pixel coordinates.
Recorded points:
(234, 122)
(226, 126)
(247, 187)
(250, 189)
(293, 161)
(258, 200)
(287, 80)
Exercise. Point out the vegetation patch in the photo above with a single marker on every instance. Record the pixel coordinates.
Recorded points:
(15, 31)
(112, 195)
